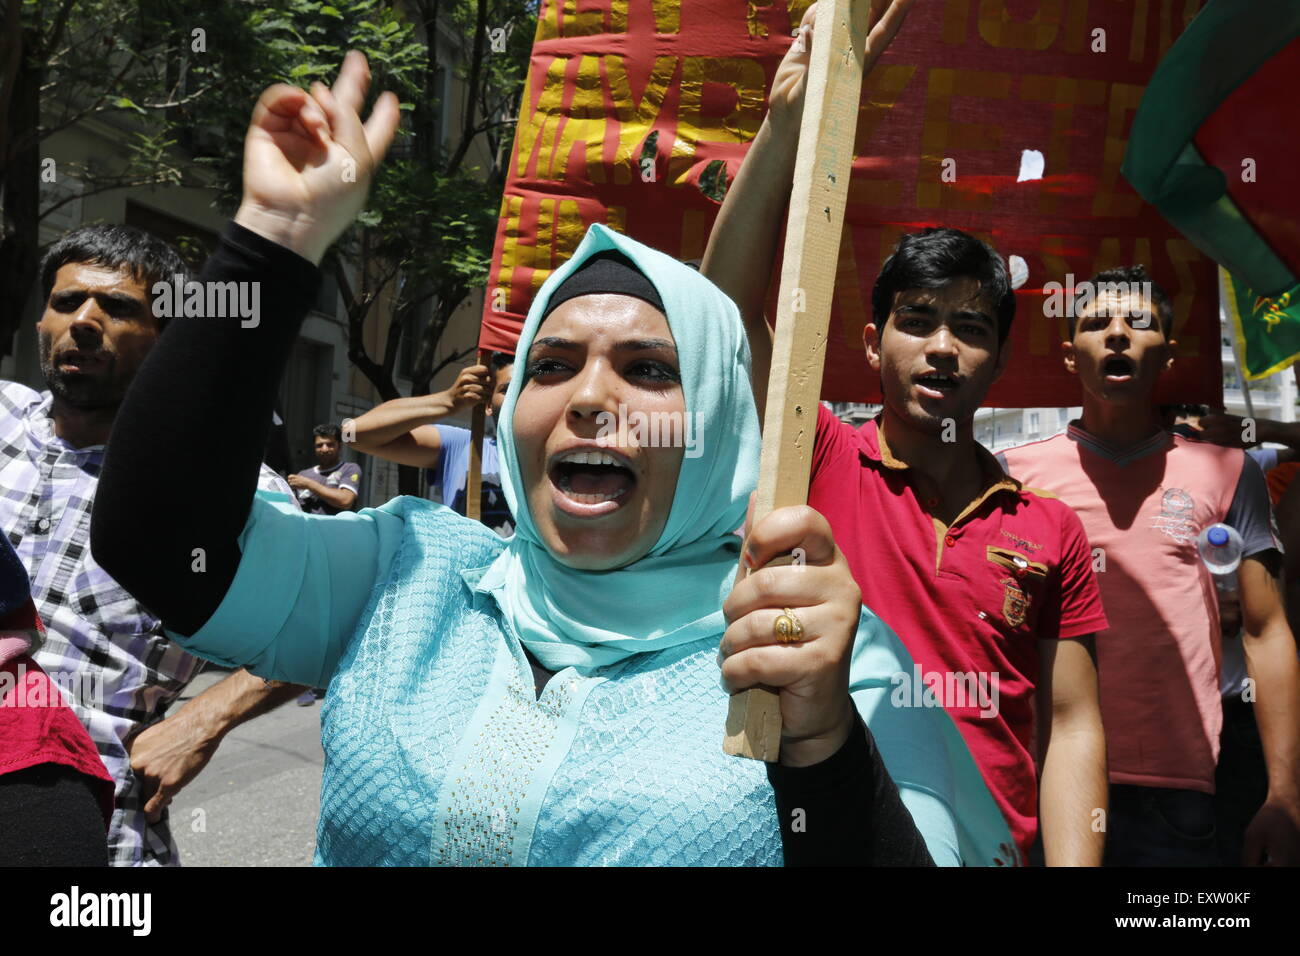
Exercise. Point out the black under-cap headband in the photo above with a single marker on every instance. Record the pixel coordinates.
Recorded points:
(608, 273)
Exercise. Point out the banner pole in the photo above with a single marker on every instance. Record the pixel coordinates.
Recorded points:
(474, 480)
(812, 246)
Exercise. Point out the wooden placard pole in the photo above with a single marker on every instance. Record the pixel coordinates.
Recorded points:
(474, 480)
(812, 246)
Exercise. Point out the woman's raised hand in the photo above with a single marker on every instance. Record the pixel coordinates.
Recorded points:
(817, 591)
(785, 101)
(308, 159)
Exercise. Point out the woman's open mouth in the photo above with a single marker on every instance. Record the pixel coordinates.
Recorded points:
(1118, 369)
(590, 482)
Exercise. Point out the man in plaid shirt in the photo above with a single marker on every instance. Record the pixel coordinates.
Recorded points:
(97, 328)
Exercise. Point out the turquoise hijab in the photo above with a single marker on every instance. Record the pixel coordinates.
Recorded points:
(673, 595)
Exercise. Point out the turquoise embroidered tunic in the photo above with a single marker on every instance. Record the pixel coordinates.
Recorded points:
(437, 750)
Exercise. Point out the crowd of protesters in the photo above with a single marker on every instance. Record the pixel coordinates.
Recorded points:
(544, 690)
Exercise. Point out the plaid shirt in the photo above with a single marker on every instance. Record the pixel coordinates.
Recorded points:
(47, 488)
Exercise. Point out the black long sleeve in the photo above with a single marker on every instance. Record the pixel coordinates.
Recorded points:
(845, 811)
(207, 377)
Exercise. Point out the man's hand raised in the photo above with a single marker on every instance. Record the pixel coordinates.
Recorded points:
(308, 159)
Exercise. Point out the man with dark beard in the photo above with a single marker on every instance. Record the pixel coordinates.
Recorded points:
(97, 328)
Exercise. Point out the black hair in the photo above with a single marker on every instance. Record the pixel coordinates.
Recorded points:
(146, 257)
(500, 360)
(934, 257)
(1127, 275)
(328, 430)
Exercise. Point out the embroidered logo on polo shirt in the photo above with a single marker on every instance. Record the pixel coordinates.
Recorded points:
(1177, 508)
(1015, 602)
(1019, 541)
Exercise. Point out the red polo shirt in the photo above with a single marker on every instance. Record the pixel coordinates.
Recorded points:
(970, 600)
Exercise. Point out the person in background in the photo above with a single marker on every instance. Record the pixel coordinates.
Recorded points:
(332, 484)
(1144, 495)
(409, 431)
(97, 327)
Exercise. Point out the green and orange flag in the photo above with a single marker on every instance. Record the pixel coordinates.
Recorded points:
(1267, 328)
(1210, 148)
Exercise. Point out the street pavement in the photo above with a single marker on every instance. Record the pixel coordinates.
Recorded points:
(256, 802)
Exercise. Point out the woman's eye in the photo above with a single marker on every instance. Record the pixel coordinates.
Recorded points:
(544, 367)
(653, 371)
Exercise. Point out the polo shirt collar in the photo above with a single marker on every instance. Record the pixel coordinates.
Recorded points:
(876, 448)
(1149, 446)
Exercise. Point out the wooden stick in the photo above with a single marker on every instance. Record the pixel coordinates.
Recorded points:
(812, 245)
(474, 480)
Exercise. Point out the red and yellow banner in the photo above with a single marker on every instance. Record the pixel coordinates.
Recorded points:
(638, 112)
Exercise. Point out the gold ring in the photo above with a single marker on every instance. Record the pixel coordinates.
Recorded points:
(788, 629)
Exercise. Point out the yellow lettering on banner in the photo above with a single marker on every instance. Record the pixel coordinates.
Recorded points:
(884, 193)
(1037, 33)
(1137, 38)
(559, 230)
(757, 25)
(667, 16)
(552, 132)
(955, 16)
(618, 16)
(1110, 254)
(743, 75)
(1124, 98)
(884, 85)
(586, 22)
(1076, 26)
(1166, 27)
(548, 21)
(796, 9)
(511, 251)
(1042, 336)
(1062, 94)
(541, 124)
(1181, 255)
(636, 118)
(940, 135)
(848, 294)
(583, 123)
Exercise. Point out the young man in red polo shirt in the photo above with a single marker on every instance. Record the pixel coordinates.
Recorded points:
(989, 584)
(1144, 495)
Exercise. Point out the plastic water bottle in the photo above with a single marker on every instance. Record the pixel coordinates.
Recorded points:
(1220, 548)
